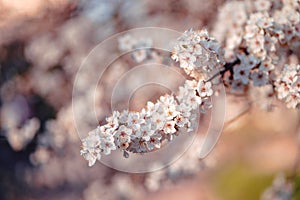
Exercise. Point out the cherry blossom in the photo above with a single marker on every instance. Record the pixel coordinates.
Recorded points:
(259, 58)
(288, 84)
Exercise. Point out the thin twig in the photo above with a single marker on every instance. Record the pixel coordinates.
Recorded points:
(241, 114)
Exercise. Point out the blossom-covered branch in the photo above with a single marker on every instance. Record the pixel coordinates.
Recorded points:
(145, 131)
(257, 53)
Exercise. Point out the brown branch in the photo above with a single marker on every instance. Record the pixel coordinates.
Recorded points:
(227, 67)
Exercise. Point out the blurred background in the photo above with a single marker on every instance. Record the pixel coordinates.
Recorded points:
(42, 45)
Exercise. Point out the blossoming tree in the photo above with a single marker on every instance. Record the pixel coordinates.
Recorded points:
(256, 47)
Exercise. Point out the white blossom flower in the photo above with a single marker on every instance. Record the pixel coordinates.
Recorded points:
(154, 108)
(192, 100)
(248, 61)
(158, 120)
(91, 148)
(113, 121)
(105, 131)
(107, 144)
(293, 100)
(270, 42)
(123, 117)
(171, 112)
(187, 60)
(146, 132)
(182, 93)
(167, 101)
(181, 120)
(264, 21)
(204, 89)
(191, 85)
(184, 109)
(288, 33)
(256, 44)
(154, 142)
(91, 157)
(290, 75)
(266, 65)
(134, 120)
(123, 133)
(123, 144)
(241, 73)
(251, 30)
(138, 146)
(169, 127)
(259, 78)
(296, 84)
(294, 17)
(283, 90)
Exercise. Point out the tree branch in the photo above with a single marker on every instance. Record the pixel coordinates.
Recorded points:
(227, 67)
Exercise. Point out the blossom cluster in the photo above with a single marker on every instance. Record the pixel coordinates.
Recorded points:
(254, 48)
(196, 51)
(262, 27)
(288, 85)
(146, 131)
(264, 38)
(227, 29)
(249, 70)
